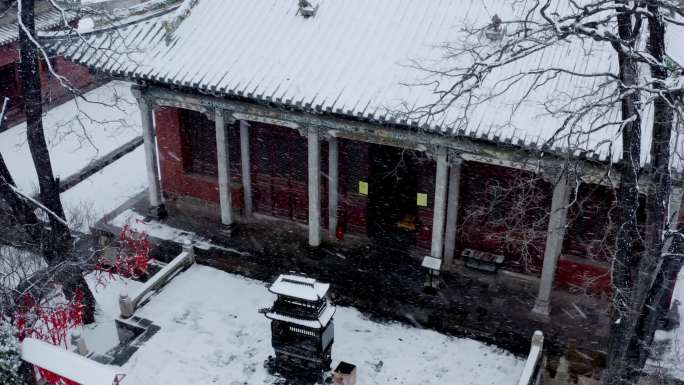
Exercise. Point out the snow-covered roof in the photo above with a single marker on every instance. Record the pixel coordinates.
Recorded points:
(296, 286)
(112, 14)
(45, 21)
(319, 323)
(68, 364)
(359, 59)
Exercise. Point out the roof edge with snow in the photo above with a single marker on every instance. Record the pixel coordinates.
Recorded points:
(68, 364)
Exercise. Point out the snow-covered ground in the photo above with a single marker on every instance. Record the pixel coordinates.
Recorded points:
(211, 333)
(79, 132)
(106, 190)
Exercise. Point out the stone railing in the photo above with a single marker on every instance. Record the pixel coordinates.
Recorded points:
(533, 372)
(128, 304)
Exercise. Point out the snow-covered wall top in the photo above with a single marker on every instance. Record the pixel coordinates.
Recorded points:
(358, 58)
(67, 364)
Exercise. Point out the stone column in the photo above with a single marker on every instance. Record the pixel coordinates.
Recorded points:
(333, 176)
(150, 143)
(675, 206)
(78, 343)
(452, 212)
(439, 208)
(223, 157)
(554, 242)
(673, 214)
(674, 211)
(246, 167)
(314, 163)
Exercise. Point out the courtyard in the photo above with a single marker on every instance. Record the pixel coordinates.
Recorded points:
(211, 332)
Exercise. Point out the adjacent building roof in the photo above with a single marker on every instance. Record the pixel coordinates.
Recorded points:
(379, 61)
(47, 18)
(113, 14)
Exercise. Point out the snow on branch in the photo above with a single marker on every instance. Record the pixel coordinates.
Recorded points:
(556, 63)
(35, 203)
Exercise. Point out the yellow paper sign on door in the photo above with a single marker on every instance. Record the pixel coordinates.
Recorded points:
(363, 187)
(422, 200)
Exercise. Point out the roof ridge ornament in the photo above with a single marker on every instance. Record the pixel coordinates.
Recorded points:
(172, 23)
(69, 5)
(306, 9)
(494, 30)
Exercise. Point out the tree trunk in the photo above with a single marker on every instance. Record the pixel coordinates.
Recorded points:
(667, 279)
(655, 270)
(623, 320)
(72, 281)
(58, 243)
(22, 214)
(56, 249)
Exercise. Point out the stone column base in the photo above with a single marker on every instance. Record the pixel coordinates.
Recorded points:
(541, 310)
(158, 212)
(225, 234)
(314, 252)
(228, 231)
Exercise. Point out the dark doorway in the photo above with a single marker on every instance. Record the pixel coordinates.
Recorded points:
(392, 210)
(279, 174)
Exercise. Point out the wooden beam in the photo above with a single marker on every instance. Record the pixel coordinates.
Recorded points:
(410, 137)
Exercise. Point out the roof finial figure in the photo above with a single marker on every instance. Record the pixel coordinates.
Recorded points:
(494, 31)
(176, 18)
(307, 9)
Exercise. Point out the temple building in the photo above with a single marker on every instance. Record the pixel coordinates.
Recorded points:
(254, 110)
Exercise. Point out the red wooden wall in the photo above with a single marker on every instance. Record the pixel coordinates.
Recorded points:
(279, 181)
(491, 217)
(175, 180)
(353, 168)
(587, 242)
(426, 185)
(279, 172)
